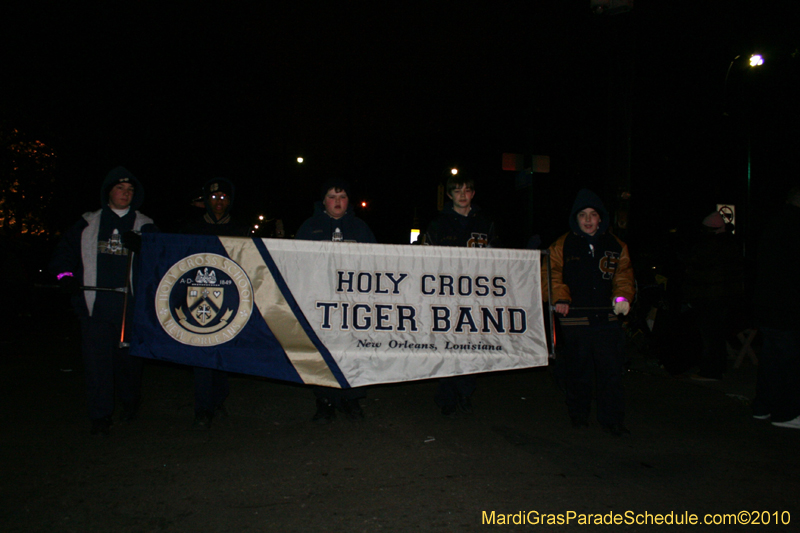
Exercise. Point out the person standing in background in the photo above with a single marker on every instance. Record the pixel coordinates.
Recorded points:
(777, 294)
(211, 385)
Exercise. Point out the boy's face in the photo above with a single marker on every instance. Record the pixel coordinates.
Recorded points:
(120, 196)
(219, 203)
(462, 196)
(589, 221)
(335, 203)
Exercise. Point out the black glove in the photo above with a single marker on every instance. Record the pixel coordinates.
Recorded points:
(69, 285)
(132, 241)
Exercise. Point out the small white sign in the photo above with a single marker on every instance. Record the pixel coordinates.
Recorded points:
(728, 212)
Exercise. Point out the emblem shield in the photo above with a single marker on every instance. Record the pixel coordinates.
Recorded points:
(204, 303)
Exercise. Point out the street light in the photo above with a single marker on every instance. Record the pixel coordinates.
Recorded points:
(755, 60)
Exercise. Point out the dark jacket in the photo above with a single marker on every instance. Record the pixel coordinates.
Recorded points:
(321, 227)
(476, 230)
(92, 250)
(589, 270)
(777, 288)
(714, 270)
(227, 226)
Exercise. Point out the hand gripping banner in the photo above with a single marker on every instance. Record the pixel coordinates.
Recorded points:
(337, 314)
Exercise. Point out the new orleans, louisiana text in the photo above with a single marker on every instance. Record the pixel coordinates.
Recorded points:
(671, 518)
(406, 345)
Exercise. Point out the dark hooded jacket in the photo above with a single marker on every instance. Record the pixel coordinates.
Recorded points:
(589, 270)
(321, 227)
(93, 250)
(228, 225)
(476, 230)
(777, 291)
(714, 269)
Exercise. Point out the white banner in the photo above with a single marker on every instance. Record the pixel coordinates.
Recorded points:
(390, 313)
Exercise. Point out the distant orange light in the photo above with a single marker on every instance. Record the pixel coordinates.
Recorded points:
(363, 204)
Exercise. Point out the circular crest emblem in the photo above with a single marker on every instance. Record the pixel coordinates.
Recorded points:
(204, 300)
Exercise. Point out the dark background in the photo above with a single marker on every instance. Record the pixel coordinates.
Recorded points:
(391, 96)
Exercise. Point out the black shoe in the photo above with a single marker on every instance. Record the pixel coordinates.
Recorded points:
(220, 413)
(202, 420)
(579, 422)
(704, 377)
(129, 412)
(101, 426)
(352, 409)
(465, 404)
(449, 410)
(325, 412)
(617, 430)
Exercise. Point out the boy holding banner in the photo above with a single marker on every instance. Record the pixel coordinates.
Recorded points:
(460, 223)
(92, 263)
(211, 386)
(592, 282)
(334, 221)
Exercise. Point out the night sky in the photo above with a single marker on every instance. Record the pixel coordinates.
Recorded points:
(390, 96)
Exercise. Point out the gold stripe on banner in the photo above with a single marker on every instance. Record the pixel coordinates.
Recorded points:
(279, 317)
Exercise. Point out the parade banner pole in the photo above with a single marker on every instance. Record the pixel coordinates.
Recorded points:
(100, 289)
(550, 308)
(122, 342)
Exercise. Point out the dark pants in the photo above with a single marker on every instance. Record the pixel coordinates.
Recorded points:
(710, 317)
(210, 389)
(594, 355)
(336, 396)
(452, 388)
(778, 383)
(109, 368)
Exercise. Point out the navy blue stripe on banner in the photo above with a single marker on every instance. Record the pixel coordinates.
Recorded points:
(298, 313)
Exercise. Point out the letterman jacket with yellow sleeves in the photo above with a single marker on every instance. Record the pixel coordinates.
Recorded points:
(589, 271)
